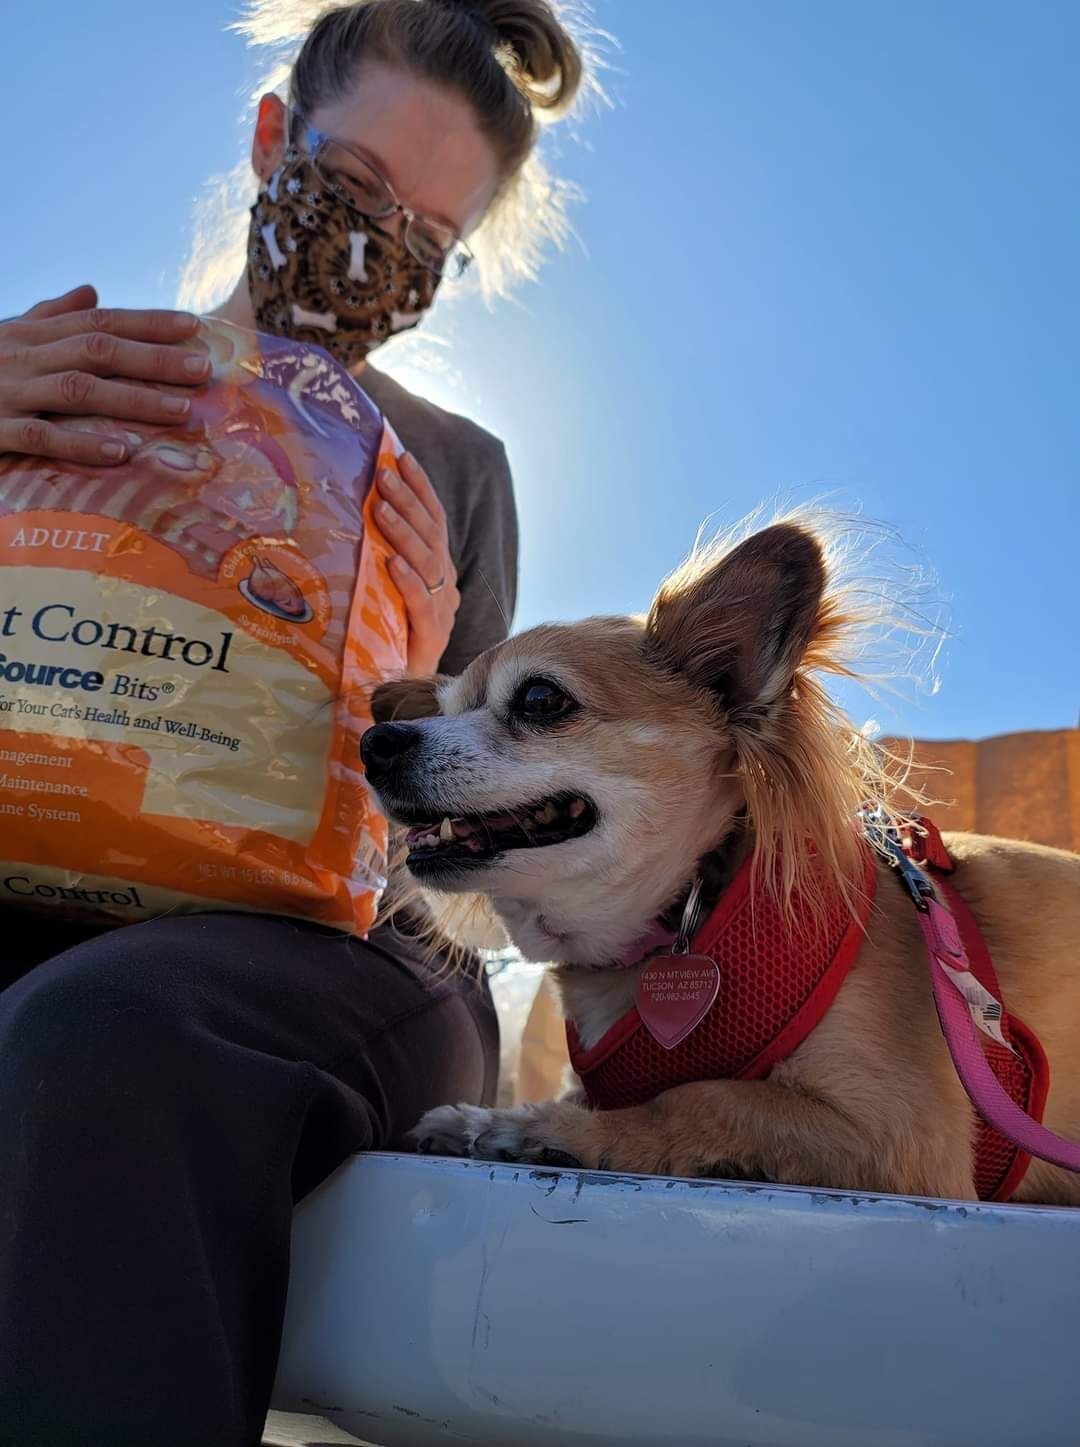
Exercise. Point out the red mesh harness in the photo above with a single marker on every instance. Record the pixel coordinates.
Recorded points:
(779, 973)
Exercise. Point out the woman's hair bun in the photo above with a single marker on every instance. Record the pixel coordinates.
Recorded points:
(540, 54)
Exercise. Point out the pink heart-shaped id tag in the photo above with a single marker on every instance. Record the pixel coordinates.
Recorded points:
(674, 994)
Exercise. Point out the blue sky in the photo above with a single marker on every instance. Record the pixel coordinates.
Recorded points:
(829, 246)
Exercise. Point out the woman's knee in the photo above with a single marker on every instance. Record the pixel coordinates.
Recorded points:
(111, 1001)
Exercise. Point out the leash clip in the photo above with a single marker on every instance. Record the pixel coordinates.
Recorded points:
(883, 835)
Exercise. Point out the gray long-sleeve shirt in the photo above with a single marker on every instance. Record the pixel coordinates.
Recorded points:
(469, 471)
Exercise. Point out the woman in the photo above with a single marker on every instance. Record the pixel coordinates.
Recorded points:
(168, 1090)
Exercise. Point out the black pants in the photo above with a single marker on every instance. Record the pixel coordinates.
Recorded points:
(167, 1092)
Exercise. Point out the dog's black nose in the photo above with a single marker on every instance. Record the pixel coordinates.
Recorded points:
(383, 747)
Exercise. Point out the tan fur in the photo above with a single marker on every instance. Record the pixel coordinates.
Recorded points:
(871, 1100)
(702, 716)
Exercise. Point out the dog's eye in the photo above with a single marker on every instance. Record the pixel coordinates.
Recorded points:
(541, 701)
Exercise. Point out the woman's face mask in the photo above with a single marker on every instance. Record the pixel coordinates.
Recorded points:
(319, 272)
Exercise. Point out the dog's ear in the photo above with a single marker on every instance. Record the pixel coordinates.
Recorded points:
(739, 626)
(405, 698)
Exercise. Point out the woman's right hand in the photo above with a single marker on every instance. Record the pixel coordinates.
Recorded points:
(72, 356)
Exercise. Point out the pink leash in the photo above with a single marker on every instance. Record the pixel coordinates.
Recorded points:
(983, 1088)
(961, 1001)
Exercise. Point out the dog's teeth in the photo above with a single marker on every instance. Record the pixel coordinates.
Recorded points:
(548, 814)
(577, 808)
(446, 832)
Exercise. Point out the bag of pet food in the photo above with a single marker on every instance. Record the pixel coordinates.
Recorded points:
(188, 644)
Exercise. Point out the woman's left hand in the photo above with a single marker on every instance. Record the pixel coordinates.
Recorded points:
(414, 523)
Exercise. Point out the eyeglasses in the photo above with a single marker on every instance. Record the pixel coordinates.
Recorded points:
(352, 178)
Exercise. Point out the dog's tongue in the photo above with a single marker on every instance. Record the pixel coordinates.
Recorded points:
(446, 829)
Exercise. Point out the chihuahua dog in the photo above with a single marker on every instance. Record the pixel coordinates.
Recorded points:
(583, 779)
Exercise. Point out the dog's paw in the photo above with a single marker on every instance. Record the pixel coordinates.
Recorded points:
(472, 1130)
(448, 1130)
(560, 1133)
(519, 1134)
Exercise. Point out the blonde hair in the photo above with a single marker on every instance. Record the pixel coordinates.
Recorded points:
(517, 62)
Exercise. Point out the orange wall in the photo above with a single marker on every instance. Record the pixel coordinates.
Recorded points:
(1019, 786)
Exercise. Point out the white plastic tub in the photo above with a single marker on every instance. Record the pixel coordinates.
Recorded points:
(436, 1301)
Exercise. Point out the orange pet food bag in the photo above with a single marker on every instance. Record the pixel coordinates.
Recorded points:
(187, 648)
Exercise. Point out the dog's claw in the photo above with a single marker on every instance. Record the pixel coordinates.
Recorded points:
(430, 1147)
(442, 1132)
(549, 1157)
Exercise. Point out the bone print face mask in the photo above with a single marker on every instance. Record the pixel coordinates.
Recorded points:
(319, 272)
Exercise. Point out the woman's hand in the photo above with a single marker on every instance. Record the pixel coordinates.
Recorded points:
(65, 356)
(412, 518)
